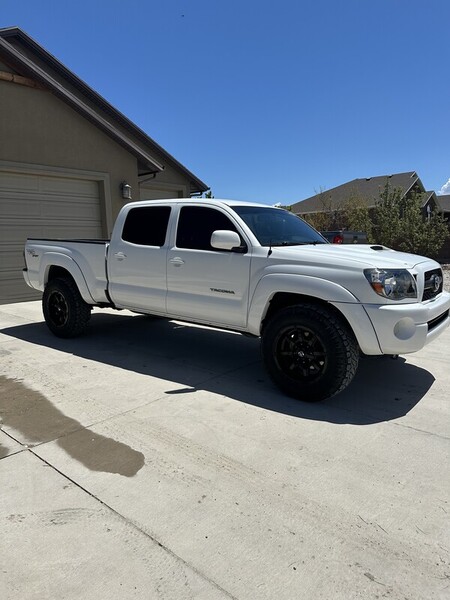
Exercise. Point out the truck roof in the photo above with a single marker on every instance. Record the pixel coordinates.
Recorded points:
(203, 201)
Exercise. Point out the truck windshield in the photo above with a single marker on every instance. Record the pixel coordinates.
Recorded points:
(278, 227)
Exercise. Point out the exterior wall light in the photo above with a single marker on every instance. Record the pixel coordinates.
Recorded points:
(126, 190)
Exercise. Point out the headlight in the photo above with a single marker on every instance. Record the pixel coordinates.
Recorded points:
(395, 284)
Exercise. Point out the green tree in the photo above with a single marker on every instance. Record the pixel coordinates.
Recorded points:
(386, 217)
(356, 216)
(399, 223)
(321, 221)
(329, 215)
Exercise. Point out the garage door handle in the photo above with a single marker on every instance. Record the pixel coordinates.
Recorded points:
(120, 255)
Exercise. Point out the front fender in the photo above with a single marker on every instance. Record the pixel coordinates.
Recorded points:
(55, 259)
(327, 291)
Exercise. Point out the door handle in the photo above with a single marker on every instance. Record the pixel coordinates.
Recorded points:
(176, 261)
(120, 255)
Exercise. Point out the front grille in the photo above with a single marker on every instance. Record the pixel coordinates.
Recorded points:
(434, 282)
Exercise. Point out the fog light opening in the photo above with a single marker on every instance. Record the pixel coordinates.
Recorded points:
(405, 329)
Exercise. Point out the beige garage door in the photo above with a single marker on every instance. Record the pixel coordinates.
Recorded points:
(42, 206)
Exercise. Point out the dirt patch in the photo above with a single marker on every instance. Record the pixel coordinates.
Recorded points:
(38, 421)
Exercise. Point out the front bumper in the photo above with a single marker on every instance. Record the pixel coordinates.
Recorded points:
(406, 328)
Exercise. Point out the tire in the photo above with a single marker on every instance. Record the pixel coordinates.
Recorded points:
(309, 352)
(65, 311)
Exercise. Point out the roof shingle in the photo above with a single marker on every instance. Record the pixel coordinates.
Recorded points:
(444, 202)
(368, 189)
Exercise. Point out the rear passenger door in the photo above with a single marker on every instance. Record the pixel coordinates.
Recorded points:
(137, 262)
(204, 283)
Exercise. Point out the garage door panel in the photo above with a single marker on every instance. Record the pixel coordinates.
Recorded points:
(12, 263)
(70, 231)
(81, 211)
(19, 181)
(14, 289)
(9, 207)
(12, 283)
(18, 232)
(33, 206)
(76, 187)
(158, 193)
(41, 206)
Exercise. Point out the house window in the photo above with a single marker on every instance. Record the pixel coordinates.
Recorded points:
(146, 226)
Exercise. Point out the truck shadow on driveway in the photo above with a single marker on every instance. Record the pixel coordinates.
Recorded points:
(229, 364)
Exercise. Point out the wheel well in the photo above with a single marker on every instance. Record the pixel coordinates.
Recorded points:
(58, 272)
(284, 299)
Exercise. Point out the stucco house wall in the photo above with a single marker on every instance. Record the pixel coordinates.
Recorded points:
(64, 154)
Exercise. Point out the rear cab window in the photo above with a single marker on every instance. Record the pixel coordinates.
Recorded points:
(146, 225)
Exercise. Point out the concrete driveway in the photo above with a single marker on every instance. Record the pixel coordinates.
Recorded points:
(151, 459)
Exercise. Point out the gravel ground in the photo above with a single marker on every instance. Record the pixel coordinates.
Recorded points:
(446, 272)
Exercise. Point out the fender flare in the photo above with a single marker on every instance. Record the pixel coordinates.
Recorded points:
(56, 259)
(305, 285)
(316, 288)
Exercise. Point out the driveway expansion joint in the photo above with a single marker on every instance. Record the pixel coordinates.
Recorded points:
(135, 526)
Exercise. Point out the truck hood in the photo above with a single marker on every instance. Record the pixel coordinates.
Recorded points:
(363, 255)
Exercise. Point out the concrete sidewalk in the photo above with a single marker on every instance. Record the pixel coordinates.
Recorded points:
(152, 459)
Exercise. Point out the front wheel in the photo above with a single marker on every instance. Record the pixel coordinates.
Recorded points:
(65, 311)
(309, 352)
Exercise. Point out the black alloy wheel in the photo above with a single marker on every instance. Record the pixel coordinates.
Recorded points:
(58, 309)
(300, 353)
(309, 351)
(65, 311)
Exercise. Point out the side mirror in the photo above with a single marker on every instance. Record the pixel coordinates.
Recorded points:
(225, 240)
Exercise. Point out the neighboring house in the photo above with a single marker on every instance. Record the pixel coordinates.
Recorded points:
(368, 190)
(443, 203)
(68, 159)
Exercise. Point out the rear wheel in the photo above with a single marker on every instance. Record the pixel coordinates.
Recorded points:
(309, 352)
(65, 311)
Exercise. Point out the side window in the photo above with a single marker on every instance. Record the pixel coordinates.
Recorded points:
(146, 226)
(196, 225)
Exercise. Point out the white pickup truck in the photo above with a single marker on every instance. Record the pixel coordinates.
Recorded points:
(249, 268)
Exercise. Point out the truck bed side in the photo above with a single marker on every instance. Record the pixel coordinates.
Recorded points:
(84, 260)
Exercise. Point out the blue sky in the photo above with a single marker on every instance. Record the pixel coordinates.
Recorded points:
(266, 100)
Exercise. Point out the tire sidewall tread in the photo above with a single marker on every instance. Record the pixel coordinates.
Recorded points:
(79, 312)
(337, 339)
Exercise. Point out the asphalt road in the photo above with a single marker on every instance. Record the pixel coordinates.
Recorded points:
(150, 459)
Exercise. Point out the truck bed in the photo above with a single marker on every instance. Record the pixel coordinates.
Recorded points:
(88, 255)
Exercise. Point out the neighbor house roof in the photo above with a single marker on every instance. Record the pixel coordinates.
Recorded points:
(26, 56)
(368, 189)
(443, 202)
(427, 196)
